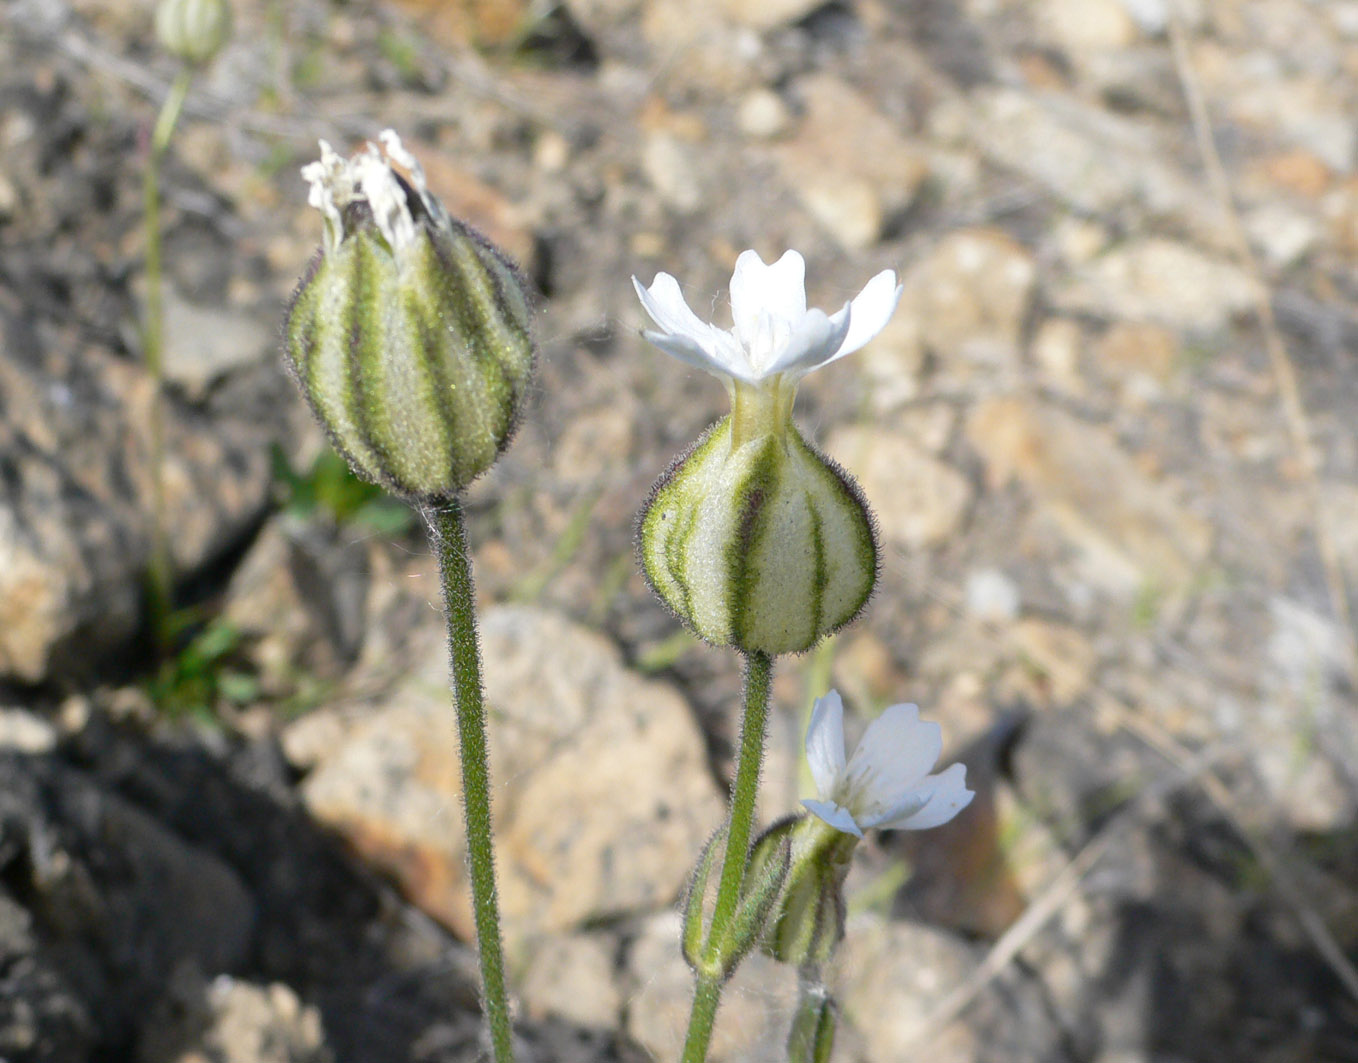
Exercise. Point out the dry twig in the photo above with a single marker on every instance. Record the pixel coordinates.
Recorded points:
(1294, 408)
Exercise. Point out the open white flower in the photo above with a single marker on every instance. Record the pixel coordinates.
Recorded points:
(774, 332)
(886, 784)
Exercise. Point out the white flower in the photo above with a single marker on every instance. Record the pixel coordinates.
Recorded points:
(886, 784)
(336, 182)
(774, 331)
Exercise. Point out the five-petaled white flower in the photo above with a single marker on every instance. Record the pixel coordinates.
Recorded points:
(886, 784)
(774, 331)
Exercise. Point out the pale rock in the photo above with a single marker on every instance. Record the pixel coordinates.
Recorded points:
(1152, 16)
(889, 977)
(75, 517)
(702, 47)
(762, 114)
(1304, 111)
(1339, 507)
(1129, 527)
(756, 1005)
(851, 193)
(971, 296)
(572, 977)
(670, 167)
(992, 597)
(1139, 359)
(919, 501)
(930, 425)
(765, 14)
(1130, 351)
(596, 16)
(36, 603)
(848, 208)
(602, 799)
(1089, 157)
(297, 600)
(248, 1023)
(551, 152)
(23, 732)
(893, 363)
(1303, 738)
(1056, 350)
(1082, 26)
(1282, 234)
(9, 198)
(1344, 18)
(1155, 279)
(1078, 240)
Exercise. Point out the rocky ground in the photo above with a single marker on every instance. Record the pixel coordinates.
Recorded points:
(1109, 436)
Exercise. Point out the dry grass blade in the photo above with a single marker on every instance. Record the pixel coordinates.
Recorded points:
(1294, 408)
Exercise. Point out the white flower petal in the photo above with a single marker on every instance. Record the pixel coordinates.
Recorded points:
(664, 301)
(890, 815)
(895, 754)
(825, 742)
(869, 311)
(813, 340)
(687, 350)
(833, 814)
(778, 290)
(948, 796)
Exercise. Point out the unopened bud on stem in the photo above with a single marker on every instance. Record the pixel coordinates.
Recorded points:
(193, 30)
(410, 334)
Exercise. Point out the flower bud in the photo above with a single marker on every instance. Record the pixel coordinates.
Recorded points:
(758, 541)
(193, 30)
(812, 1036)
(808, 922)
(410, 334)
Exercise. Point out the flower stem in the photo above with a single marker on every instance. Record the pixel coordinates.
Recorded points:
(448, 536)
(159, 576)
(754, 721)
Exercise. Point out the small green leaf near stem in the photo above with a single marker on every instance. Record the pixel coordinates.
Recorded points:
(448, 537)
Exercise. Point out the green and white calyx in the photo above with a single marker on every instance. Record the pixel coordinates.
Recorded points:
(754, 538)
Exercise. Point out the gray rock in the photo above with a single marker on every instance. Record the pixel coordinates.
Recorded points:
(75, 499)
(298, 599)
(573, 977)
(99, 876)
(42, 1019)
(1154, 279)
(603, 797)
(204, 343)
(919, 501)
(756, 1005)
(233, 1021)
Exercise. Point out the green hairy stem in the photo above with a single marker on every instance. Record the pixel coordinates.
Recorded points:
(754, 721)
(448, 535)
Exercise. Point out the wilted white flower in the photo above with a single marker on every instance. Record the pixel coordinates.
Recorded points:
(886, 784)
(774, 333)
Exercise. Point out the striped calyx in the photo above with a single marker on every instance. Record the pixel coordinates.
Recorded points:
(410, 334)
(193, 30)
(808, 922)
(758, 541)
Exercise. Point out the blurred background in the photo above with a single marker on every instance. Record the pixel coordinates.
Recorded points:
(1108, 436)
